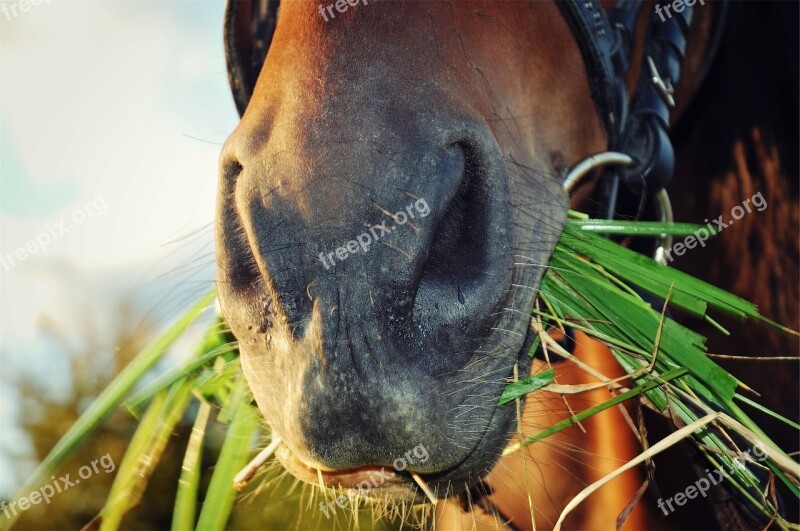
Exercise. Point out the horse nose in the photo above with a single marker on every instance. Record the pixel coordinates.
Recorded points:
(295, 226)
(360, 343)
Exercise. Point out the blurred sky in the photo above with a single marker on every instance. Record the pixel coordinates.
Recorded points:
(112, 114)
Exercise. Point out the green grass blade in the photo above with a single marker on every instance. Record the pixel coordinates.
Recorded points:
(188, 486)
(233, 457)
(586, 413)
(144, 453)
(650, 275)
(635, 321)
(176, 373)
(767, 411)
(636, 228)
(526, 385)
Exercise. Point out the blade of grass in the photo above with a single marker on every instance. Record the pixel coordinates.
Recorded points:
(639, 323)
(586, 413)
(233, 456)
(176, 373)
(635, 228)
(650, 275)
(767, 411)
(144, 453)
(186, 499)
(653, 450)
(525, 386)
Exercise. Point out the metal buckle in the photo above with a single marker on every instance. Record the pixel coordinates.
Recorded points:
(665, 88)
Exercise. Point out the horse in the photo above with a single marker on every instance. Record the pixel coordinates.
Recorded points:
(387, 206)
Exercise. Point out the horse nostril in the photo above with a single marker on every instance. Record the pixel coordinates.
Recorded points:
(231, 170)
(229, 167)
(458, 251)
(468, 260)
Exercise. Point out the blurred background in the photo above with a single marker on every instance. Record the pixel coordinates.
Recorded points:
(112, 114)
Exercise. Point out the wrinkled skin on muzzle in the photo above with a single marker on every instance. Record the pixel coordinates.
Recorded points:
(386, 209)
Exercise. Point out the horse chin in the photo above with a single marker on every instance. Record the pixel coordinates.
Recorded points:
(388, 484)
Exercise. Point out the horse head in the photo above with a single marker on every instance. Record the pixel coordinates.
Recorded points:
(387, 206)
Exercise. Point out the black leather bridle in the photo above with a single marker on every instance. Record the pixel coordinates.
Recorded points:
(637, 128)
(639, 152)
(249, 26)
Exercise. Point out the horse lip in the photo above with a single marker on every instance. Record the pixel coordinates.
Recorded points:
(387, 482)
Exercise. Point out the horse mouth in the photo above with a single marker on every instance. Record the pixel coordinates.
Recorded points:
(376, 483)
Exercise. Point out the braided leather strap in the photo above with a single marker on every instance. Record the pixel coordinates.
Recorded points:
(645, 135)
(639, 128)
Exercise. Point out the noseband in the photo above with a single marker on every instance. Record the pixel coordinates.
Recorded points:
(640, 152)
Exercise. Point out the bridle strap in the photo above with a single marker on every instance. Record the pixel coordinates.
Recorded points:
(602, 55)
(646, 133)
(639, 127)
